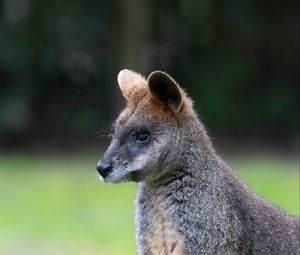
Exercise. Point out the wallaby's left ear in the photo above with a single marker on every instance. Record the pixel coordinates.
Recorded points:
(165, 90)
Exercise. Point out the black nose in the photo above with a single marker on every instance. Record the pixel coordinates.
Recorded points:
(104, 168)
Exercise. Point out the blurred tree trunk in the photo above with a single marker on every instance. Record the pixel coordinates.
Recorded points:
(136, 32)
(132, 44)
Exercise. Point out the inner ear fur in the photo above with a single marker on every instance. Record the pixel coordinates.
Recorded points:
(165, 90)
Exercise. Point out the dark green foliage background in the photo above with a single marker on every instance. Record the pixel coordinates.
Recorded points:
(59, 60)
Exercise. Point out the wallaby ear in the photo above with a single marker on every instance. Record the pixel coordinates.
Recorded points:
(129, 83)
(164, 89)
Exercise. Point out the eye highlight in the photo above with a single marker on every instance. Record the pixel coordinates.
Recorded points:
(143, 137)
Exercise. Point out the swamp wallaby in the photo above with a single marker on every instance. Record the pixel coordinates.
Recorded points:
(189, 200)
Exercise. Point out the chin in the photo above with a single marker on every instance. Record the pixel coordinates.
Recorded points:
(132, 176)
(114, 178)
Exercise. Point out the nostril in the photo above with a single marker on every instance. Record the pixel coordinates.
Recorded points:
(104, 168)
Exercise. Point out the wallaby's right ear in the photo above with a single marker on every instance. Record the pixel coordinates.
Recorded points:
(165, 90)
(130, 84)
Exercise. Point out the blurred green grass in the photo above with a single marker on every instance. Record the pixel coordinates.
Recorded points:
(56, 205)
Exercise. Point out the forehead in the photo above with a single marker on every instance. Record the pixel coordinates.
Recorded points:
(144, 113)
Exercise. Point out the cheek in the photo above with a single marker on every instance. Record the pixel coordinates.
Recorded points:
(148, 159)
(131, 159)
(135, 149)
(142, 162)
(121, 159)
(137, 157)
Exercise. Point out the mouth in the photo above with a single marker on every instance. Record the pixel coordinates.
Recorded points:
(105, 177)
(116, 177)
(105, 180)
(109, 176)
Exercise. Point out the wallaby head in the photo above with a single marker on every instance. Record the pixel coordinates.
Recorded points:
(149, 134)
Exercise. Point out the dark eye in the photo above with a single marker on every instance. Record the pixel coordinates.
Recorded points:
(143, 137)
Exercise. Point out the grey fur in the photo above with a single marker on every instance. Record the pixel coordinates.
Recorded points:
(187, 189)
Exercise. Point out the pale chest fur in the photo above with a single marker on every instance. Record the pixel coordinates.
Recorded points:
(161, 237)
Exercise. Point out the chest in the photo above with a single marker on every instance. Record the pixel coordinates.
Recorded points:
(163, 239)
(156, 223)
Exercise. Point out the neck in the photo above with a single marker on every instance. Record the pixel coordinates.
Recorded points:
(197, 150)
